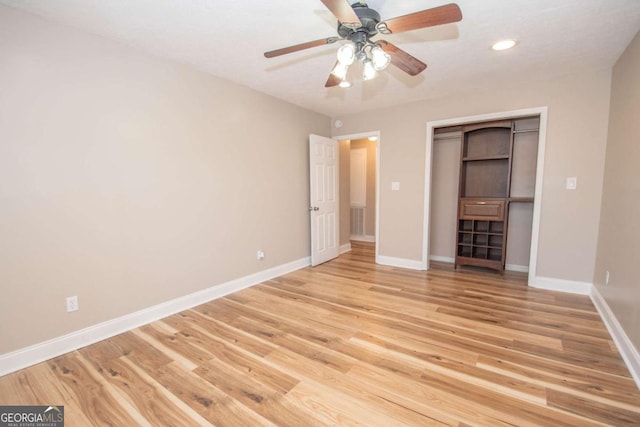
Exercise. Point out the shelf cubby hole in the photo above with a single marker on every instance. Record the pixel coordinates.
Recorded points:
(494, 254)
(479, 252)
(496, 227)
(465, 238)
(481, 227)
(464, 251)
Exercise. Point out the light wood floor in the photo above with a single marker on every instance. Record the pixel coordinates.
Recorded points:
(351, 343)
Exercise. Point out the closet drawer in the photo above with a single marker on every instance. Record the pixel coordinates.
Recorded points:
(482, 209)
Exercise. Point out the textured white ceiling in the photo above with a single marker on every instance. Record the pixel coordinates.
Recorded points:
(228, 37)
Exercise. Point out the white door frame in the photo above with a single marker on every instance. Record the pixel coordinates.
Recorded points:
(537, 200)
(373, 133)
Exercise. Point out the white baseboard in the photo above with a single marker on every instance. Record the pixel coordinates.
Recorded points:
(22, 358)
(345, 248)
(571, 286)
(400, 262)
(508, 267)
(517, 268)
(438, 258)
(620, 338)
(365, 238)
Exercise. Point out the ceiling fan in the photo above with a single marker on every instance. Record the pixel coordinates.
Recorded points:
(358, 24)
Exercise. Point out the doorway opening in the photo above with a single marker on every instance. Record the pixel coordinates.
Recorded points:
(359, 156)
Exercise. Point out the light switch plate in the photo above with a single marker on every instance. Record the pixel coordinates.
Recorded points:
(572, 183)
(395, 186)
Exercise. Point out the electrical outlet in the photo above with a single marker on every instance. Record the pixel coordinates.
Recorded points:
(260, 255)
(606, 278)
(72, 304)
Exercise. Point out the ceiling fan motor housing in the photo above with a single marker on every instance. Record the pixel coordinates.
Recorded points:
(369, 19)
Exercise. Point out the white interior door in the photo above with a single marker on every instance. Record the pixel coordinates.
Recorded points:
(324, 208)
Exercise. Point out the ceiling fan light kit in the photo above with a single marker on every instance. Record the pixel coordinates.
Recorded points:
(372, 56)
(358, 24)
(368, 71)
(340, 70)
(380, 58)
(347, 54)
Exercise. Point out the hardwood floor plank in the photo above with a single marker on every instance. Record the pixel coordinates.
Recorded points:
(189, 350)
(612, 394)
(348, 396)
(140, 390)
(422, 398)
(609, 414)
(469, 373)
(172, 402)
(98, 402)
(206, 320)
(593, 361)
(130, 345)
(146, 333)
(301, 345)
(38, 385)
(337, 409)
(210, 402)
(260, 398)
(250, 364)
(122, 399)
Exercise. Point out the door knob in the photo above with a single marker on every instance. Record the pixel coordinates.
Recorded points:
(314, 208)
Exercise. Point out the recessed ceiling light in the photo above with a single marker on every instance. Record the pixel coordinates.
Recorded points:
(504, 44)
(344, 83)
(373, 138)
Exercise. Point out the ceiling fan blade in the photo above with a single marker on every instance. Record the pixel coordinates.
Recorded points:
(332, 80)
(427, 18)
(301, 46)
(401, 59)
(343, 11)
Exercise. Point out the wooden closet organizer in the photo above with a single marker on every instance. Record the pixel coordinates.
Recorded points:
(484, 196)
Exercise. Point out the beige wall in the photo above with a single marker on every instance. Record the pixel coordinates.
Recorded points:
(128, 180)
(370, 211)
(576, 138)
(619, 240)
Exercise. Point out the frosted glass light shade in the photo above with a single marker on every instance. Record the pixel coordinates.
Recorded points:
(340, 71)
(368, 72)
(379, 58)
(347, 54)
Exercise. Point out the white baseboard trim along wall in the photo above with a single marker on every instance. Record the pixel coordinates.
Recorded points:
(345, 248)
(19, 359)
(571, 286)
(629, 353)
(363, 238)
(399, 262)
(438, 258)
